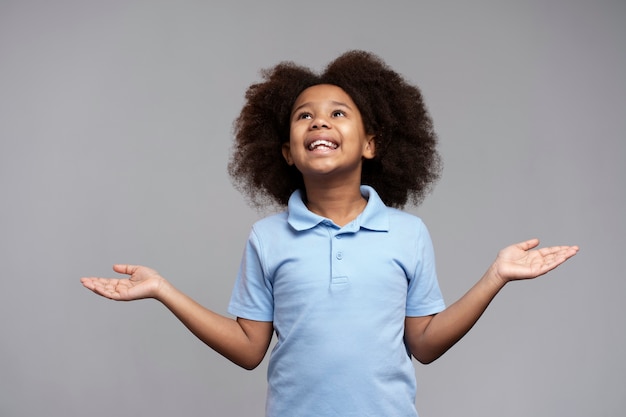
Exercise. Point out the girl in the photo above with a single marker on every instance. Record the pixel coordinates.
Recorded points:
(344, 278)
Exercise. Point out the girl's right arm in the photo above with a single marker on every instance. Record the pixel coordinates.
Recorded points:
(242, 341)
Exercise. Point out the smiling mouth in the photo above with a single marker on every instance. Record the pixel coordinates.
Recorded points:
(322, 144)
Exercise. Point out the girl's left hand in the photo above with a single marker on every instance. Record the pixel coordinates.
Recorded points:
(522, 261)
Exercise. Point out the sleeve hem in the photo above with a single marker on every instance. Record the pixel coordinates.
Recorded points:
(249, 315)
(426, 311)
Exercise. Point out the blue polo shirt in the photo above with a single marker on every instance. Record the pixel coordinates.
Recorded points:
(338, 298)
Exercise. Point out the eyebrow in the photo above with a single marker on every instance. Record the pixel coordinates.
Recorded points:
(333, 102)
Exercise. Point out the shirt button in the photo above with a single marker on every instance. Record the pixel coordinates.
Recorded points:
(340, 255)
(338, 236)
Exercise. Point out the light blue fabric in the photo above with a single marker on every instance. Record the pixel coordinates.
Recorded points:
(338, 298)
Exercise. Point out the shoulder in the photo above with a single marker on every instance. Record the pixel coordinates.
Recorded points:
(271, 220)
(408, 228)
(270, 224)
(401, 218)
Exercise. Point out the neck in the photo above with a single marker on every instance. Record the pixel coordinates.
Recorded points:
(341, 203)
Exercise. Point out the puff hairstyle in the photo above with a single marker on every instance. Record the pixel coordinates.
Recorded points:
(406, 164)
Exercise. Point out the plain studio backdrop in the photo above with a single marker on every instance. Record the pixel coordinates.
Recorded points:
(116, 128)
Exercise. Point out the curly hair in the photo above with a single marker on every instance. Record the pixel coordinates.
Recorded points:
(406, 164)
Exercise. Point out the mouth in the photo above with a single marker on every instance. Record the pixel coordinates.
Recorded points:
(322, 144)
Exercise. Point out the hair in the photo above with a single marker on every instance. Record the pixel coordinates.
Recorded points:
(406, 164)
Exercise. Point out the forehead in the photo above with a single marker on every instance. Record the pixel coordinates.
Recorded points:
(323, 93)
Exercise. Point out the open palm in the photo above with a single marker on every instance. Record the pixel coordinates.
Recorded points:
(142, 283)
(522, 261)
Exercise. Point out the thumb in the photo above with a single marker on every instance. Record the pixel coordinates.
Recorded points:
(528, 244)
(125, 269)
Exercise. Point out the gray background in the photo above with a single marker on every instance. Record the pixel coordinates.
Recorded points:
(115, 128)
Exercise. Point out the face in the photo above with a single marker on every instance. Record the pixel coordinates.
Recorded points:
(327, 136)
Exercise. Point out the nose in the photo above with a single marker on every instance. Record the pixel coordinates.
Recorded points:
(319, 123)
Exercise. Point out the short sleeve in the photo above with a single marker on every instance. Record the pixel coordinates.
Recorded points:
(252, 293)
(424, 295)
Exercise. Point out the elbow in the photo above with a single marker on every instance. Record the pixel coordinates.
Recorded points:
(248, 363)
(426, 356)
(426, 359)
(249, 366)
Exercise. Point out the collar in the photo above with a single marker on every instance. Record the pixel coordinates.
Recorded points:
(373, 217)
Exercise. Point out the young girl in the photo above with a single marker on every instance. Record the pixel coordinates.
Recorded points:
(343, 277)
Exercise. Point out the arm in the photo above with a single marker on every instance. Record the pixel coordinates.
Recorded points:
(242, 341)
(430, 337)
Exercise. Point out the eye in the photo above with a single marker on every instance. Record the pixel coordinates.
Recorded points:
(303, 116)
(338, 113)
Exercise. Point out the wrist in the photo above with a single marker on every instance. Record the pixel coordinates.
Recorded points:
(163, 289)
(493, 277)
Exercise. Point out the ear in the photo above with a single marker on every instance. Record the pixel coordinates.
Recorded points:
(369, 151)
(287, 153)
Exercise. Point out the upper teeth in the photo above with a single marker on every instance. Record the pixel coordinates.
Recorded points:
(322, 142)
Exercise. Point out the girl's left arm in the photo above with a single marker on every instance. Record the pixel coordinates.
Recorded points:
(430, 337)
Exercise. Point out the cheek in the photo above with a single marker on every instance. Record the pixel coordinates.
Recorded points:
(292, 133)
(296, 135)
(294, 129)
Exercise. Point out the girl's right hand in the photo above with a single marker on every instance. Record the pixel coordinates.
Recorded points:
(143, 283)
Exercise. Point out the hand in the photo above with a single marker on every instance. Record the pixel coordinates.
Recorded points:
(143, 283)
(518, 261)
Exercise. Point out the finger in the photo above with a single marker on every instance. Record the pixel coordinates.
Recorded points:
(91, 282)
(87, 283)
(558, 255)
(565, 251)
(108, 288)
(125, 269)
(528, 244)
(100, 286)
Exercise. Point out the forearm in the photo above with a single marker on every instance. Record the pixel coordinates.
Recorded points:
(430, 337)
(448, 327)
(227, 336)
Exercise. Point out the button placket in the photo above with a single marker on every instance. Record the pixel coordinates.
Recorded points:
(339, 279)
(338, 247)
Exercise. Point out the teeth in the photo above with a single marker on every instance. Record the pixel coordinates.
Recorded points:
(324, 143)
